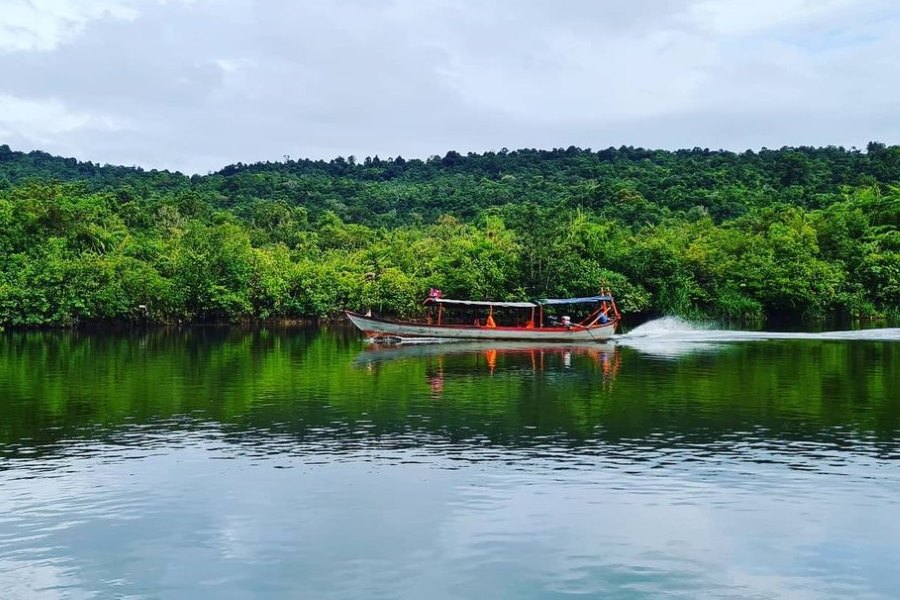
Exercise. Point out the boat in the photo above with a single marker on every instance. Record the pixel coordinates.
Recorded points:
(534, 325)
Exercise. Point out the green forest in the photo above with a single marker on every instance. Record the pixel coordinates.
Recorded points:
(804, 232)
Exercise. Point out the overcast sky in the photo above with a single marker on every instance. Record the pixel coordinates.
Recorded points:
(198, 84)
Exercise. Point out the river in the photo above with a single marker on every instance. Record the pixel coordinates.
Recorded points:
(675, 462)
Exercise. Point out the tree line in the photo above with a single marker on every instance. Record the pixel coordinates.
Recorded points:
(797, 231)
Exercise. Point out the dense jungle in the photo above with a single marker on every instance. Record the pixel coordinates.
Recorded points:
(802, 232)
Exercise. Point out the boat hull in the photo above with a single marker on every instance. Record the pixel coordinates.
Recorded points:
(375, 328)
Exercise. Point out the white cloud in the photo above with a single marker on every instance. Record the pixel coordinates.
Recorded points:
(44, 24)
(587, 77)
(739, 17)
(46, 119)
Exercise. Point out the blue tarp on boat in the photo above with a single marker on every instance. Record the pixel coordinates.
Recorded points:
(585, 300)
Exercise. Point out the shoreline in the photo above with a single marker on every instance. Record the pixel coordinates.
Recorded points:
(830, 322)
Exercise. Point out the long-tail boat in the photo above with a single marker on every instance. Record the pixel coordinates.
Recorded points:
(530, 323)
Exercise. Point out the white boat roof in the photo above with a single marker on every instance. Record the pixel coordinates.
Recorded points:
(477, 303)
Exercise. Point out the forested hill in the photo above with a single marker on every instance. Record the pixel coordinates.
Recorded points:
(396, 191)
(795, 230)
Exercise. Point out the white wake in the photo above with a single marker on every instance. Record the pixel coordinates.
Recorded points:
(670, 336)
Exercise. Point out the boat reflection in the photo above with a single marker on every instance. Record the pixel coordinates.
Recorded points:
(468, 359)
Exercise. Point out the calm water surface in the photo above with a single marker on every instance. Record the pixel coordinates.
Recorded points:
(675, 463)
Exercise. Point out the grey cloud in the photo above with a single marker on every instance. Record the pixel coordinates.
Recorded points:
(198, 85)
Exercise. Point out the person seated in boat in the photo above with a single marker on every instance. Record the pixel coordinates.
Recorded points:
(490, 324)
(602, 317)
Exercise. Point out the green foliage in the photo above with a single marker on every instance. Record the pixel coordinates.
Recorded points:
(211, 269)
(797, 230)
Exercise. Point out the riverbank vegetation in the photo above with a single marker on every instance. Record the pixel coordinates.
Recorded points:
(800, 231)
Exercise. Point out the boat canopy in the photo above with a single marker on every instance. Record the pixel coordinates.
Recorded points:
(476, 303)
(585, 300)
